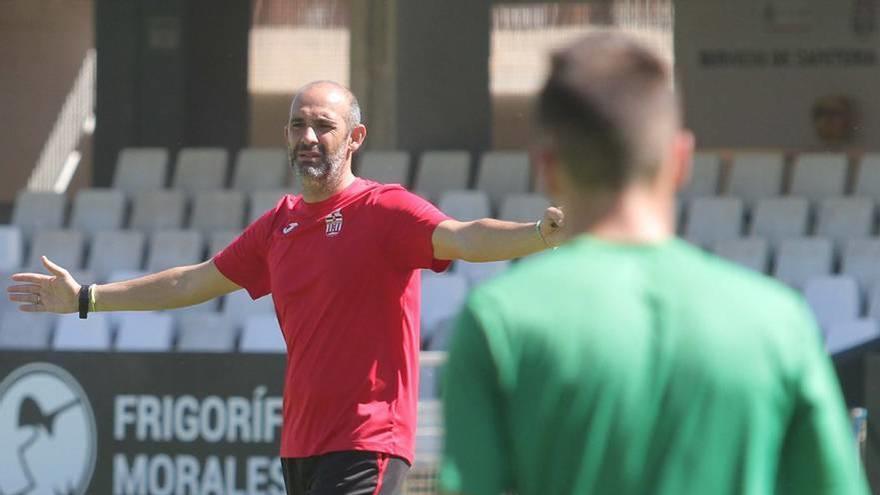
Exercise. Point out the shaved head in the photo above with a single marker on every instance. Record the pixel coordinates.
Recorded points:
(334, 94)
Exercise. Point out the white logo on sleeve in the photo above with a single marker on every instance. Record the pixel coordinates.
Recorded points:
(289, 228)
(45, 414)
(334, 223)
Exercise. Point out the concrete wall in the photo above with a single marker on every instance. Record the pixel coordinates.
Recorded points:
(42, 46)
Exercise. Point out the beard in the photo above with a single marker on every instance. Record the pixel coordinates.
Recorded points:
(322, 170)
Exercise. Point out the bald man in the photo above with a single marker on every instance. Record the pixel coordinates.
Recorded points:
(342, 263)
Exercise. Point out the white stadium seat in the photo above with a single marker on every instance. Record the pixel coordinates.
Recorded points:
(170, 248)
(710, 220)
(74, 334)
(63, 247)
(818, 176)
(503, 172)
(95, 210)
(116, 250)
(705, 174)
(441, 171)
(386, 167)
(141, 169)
(11, 248)
(35, 211)
(219, 240)
(841, 219)
(798, 260)
(153, 211)
(25, 331)
(200, 169)
(205, 332)
(238, 306)
(465, 205)
(262, 201)
(868, 180)
(261, 333)
(476, 273)
(777, 219)
(845, 335)
(523, 207)
(217, 210)
(259, 169)
(750, 252)
(443, 295)
(755, 176)
(144, 332)
(833, 299)
(861, 260)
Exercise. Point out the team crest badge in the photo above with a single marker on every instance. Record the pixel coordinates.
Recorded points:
(334, 223)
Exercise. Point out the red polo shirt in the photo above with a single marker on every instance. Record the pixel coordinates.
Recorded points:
(344, 276)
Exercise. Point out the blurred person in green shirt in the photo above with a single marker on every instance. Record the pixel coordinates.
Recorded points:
(627, 361)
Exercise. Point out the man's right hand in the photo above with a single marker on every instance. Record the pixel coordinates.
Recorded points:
(57, 292)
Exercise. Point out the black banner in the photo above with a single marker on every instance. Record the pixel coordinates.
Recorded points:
(140, 424)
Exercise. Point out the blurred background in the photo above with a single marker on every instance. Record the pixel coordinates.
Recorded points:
(143, 134)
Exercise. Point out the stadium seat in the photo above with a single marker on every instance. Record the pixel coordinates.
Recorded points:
(217, 210)
(750, 252)
(259, 169)
(144, 331)
(441, 171)
(777, 219)
(442, 296)
(141, 169)
(755, 176)
(429, 432)
(841, 219)
(74, 334)
(818, 176)
(705, 174)
(262, 201)
(153, 211)
(465, 205)
(845, 335)
(63, 247)
(476, 273)
(172, 248)
(710, 220)
(503, 172)
(861, 260)
(833, 299)
(261, 333)
(523, 207)
(868, 179)
(35, 211)
(205, 332)
(219, 240)
(200, 169)
(386, 167)
(238, 306)
(116, 250)
(11, 248)
(798, 260)
(25, 331)
(95, 210)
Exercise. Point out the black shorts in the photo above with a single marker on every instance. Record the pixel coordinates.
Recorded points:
(351, 472)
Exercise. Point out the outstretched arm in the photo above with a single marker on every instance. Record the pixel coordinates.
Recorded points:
(172, 288)
(492, 240)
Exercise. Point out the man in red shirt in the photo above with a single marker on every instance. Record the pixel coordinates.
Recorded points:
(342, 263)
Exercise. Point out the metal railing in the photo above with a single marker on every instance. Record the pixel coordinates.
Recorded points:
(59, 158)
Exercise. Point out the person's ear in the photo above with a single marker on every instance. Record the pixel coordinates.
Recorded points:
(683, 155)
(358, 135)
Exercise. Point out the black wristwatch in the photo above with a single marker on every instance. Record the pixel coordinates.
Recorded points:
(84, 301)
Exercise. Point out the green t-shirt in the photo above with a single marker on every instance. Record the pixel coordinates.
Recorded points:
(605, 368)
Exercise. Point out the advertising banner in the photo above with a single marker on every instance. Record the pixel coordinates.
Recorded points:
(140, 424)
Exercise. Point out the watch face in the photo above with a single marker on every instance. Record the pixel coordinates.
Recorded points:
(48, 430)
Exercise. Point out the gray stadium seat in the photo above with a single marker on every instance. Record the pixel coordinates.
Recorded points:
(819, 175)
(710, 220)
(798, 260)
(476, 273)
(116, 250)
(833, 299)
(442, 296)
(523, 207)
(74, 334)
(503, 172)
(441, 171)
(386, 167)
(63, 247)
(25, 331)
(262, 201)
(11, 248)
(172, 248)
(776, 219)
(158, 210)
(429, 432)
(705, 174)
(141, 169)
(845, 335)
(868, 179)
(34, 211)
(205, 332)
(465, 205)
(750, 252)
(259, 169)
(217, 210)
(95, 210)
(200, 169)
(144, 331)
(219, 240)
(755, 176)
(238, 306)
(841, 219)
(861, 260)
(261, 333)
